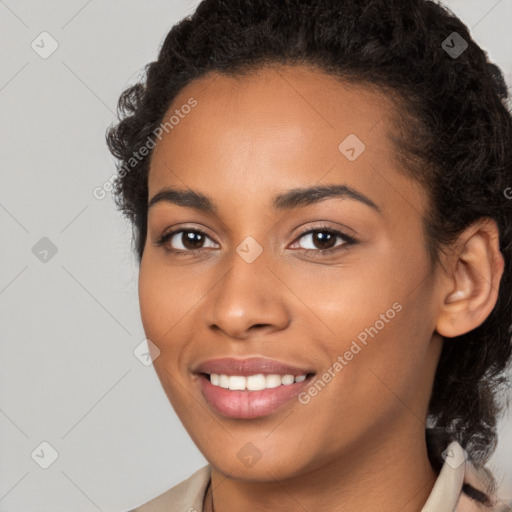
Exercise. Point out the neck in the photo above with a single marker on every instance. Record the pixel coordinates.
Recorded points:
(390, 477)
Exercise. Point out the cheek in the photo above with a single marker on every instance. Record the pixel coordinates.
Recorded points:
(151, 302)
(374, 382)
(392, 370)
(166, 296)
(343, 302)
(160, 310)
(382, 333)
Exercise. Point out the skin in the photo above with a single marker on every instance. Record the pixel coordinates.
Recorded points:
(359, 444)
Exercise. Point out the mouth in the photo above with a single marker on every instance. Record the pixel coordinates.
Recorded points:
(250, 396)
(255, 382)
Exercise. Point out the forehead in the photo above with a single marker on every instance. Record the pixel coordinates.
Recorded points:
(260, 133)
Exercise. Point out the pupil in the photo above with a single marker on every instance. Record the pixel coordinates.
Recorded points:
(322, 238)
(188, 239)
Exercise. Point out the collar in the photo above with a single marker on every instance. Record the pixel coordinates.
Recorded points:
(189, 494)
(447, 488)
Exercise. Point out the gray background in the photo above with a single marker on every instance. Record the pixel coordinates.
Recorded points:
(69, 325)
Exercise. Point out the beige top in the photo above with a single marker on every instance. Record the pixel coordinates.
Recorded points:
(446, 495)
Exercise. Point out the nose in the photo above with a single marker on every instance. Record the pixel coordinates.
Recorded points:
(247, 298)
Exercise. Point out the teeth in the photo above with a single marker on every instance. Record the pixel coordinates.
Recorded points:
(253, 382)
(224, 381)
(273, 381)
(256, 382)
(236, 382)
(287, 379)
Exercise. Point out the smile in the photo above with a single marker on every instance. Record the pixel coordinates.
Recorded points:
(253, 396)
(253, 382)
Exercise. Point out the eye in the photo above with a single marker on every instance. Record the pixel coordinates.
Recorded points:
(325, 237)
(184, 240)
(191, 240)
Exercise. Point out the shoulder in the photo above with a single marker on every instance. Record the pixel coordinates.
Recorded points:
(187, 496)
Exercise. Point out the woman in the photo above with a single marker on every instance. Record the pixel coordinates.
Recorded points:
(318, 192)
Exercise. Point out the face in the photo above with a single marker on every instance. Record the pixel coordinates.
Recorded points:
(337, 285)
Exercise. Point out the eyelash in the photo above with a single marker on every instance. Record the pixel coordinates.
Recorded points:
(348, 240)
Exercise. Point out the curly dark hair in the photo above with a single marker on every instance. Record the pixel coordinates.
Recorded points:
(453, 134)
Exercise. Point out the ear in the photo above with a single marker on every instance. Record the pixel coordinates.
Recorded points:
(471, 281)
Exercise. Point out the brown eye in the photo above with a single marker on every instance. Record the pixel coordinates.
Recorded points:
(323, 240)
(184, 240)
(190, 239)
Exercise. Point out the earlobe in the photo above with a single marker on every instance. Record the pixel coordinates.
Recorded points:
(472, 282)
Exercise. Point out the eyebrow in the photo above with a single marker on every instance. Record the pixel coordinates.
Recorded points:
(293, 198)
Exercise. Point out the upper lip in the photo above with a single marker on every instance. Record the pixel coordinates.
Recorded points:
(249, 366)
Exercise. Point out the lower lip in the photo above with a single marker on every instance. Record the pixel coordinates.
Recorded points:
(249, 404)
